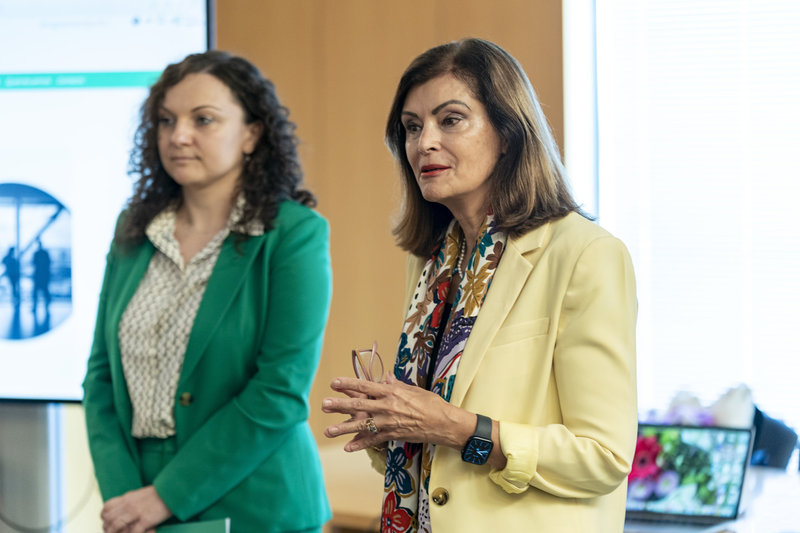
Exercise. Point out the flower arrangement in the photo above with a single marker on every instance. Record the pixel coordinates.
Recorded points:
(734, 408)
(663, 463)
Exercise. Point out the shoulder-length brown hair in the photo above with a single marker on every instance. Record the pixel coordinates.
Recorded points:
(527, 186)
(270, 174)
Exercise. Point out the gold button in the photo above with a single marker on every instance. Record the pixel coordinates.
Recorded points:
(440, 496)
(186, 399)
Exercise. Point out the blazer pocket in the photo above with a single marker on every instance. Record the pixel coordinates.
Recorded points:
(521, 331)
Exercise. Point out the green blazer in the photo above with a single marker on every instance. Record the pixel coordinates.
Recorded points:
(244, 447)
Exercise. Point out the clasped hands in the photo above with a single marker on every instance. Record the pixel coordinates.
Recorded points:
(398, 411)
(136, 511)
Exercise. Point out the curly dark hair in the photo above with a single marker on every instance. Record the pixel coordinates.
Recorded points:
(271, 174)
(528, 184)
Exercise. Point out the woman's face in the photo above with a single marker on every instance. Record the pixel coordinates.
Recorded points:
(202, 134)
(451, 144)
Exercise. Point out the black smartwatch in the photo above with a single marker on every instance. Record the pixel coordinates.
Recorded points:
(479, 445)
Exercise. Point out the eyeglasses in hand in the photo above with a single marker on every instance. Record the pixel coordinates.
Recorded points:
(368, 364)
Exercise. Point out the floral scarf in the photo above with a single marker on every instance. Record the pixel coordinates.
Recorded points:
(408, 465)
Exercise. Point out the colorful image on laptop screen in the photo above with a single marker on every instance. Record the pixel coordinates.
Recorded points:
(688, 471)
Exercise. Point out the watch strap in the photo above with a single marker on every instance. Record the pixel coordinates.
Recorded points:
(483, 428)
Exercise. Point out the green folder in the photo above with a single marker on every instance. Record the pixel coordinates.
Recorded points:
(208, 526)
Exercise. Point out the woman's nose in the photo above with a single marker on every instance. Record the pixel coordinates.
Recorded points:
(181, 132)
(429, 139)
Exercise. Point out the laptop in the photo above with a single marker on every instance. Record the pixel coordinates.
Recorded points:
(687, 478)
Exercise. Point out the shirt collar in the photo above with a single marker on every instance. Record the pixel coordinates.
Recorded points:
(163, 224)
(161, 230)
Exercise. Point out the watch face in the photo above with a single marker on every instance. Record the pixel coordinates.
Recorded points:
(476, 451)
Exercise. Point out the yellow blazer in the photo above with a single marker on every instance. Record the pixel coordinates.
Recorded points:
(552, 358)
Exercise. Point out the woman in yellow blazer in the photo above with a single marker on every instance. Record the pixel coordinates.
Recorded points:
(512, 404)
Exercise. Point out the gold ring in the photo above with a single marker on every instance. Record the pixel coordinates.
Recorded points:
(371, 427)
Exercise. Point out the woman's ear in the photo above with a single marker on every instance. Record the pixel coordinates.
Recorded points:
(254, 131)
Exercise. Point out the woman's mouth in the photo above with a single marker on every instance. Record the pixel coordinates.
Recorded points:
(428, 171)
(182, 158)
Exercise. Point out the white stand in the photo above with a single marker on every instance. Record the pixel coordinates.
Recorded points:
(29, 466)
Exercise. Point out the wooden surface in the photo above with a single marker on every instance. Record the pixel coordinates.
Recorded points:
(355, 490)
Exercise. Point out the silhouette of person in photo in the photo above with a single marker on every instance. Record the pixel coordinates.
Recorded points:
(41, 276)
(11, 265)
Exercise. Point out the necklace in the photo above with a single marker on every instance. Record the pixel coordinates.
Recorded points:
(462, 251)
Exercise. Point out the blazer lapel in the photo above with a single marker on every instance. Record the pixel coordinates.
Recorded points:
(516, 265)
(233, 263)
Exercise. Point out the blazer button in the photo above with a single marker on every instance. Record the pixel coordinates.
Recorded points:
(440, 496)
(186, 399)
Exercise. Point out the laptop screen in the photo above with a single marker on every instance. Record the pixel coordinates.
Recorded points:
(687, 471)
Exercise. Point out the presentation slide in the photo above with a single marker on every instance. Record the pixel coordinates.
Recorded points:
(73, 74)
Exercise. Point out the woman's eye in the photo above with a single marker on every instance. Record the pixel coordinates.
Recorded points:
(204, 120)
(412, 127)
(164, 121)
(451, 120)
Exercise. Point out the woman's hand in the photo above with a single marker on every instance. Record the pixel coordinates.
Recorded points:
(399, 412)
(137, 511)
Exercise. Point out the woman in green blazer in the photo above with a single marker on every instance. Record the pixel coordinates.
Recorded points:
(211, 315)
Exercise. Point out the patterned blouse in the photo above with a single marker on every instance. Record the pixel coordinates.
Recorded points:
(155, 327)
